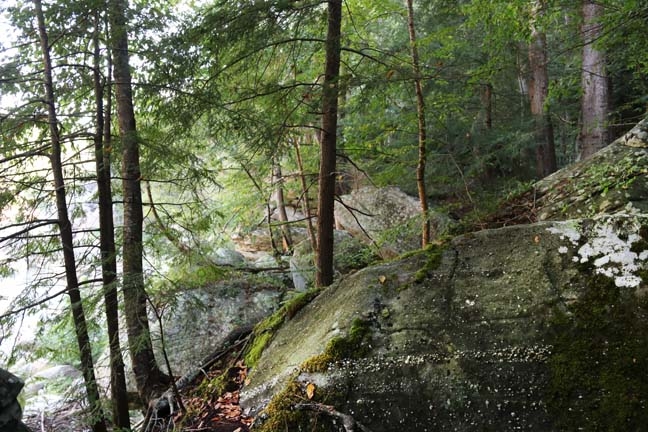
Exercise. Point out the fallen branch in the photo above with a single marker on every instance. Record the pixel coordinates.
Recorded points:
(350, 424)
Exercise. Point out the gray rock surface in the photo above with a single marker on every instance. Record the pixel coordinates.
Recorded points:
(372, 213)
(200, 318)
(10, 410)
(468, 342)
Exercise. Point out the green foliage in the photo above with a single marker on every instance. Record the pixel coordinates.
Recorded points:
(351, 254)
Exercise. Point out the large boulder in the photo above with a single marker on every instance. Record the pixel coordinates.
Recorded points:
(538, 326)
(386, 216)
(200, 318)
(10, 410)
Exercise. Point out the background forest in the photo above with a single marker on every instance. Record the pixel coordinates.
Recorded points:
(138, 138)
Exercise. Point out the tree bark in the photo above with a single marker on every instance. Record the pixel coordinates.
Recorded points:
(278, 197)
(596, 95)
(102, 142)
(149, 378)
(545, 152)
(326, 196)
(422, 134)
(65, 230)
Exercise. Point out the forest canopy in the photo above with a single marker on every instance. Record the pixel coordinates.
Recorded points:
(137, 138)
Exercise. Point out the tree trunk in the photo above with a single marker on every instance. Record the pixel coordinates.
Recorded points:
(149, 378)
(422, 134)
(312, 236)
(326, 197)
(545, 152)
(278, 197)
(595, 99)
(65, 229)
(102, 141)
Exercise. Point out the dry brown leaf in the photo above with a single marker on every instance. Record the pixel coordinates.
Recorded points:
(382, 279)
(310, 390)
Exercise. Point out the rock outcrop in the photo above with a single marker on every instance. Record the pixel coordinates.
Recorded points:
(10, 410)
(386, 216)
(539, 326)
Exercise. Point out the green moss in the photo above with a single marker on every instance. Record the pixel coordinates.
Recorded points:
(434, 253)
(352, 346)
(597, 370)
(280, 414)
(264, 331)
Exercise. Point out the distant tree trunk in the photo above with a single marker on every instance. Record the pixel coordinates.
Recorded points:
(596, 95)
(422, 135)
(487, 105)
(327, 173)
(312, 236)
(545, 152)
(102, 141)
(65, 229)
(278, 197)
(149, 378)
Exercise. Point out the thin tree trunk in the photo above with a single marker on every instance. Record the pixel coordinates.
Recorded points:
(118, 390)
(305, 202)
(65, 229)
(278, 197)
(422, 134)
(545, 154)
(596, 95)
(326, 197)
(149, 378)
(487, 105)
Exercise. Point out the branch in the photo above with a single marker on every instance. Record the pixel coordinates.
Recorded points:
(36, 303)
(350, 424)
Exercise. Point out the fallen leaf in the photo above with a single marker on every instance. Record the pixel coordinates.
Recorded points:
(310, 390)
(536, 239)
(382, 279)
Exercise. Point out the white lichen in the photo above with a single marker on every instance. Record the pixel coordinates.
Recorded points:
(609, 245)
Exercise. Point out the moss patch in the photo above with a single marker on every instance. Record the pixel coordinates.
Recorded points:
(352, 346)
(598, 368)
(280, 414)
(264, 331)
(434, 253)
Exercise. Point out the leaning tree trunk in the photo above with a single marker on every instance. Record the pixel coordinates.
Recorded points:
(545, 151)
(149, 378)
(596, 94)
(65, 229)
(326, 197)
(422, 135)
(102, 142)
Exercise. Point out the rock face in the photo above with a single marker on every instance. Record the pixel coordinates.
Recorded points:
(202, 317)
(370, 213)
(10, 411)
(537, 327)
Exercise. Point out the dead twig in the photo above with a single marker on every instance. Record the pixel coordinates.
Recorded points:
(350, 424)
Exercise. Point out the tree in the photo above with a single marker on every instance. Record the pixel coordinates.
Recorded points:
(327, 172)
(422, 133)
(65, 228)
(545, 152)
(596, 93)
(102, 143)
(149, 378)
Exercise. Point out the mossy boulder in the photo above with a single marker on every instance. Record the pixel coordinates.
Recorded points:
(613, 181)
(519, 328)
